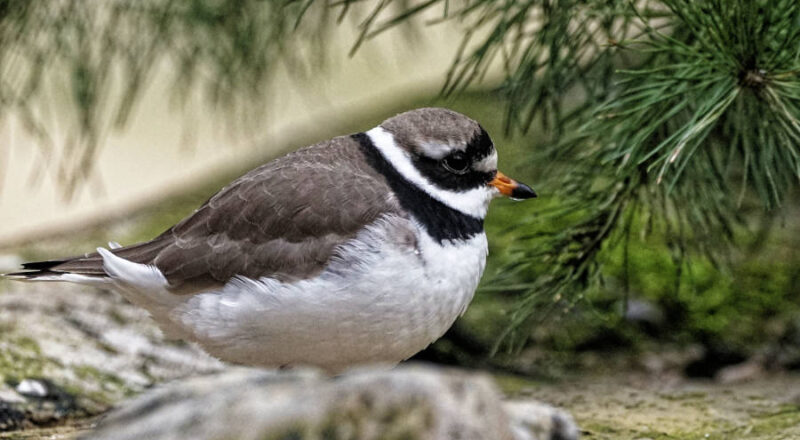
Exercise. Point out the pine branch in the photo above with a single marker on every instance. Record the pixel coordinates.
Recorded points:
(713, 108)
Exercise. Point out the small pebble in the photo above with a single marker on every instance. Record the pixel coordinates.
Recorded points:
(32, 388)
(9, 396)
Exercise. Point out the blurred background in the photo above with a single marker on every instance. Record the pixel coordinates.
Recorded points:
(662, 136)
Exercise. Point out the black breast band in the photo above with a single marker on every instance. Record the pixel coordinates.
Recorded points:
(440, 221)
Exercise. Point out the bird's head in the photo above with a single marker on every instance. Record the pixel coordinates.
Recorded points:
(449, 156)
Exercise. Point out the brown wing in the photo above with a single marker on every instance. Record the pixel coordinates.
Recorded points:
(282, 220)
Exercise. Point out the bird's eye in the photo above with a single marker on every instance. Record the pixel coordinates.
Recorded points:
(456, 163)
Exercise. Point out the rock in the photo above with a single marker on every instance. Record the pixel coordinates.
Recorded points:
(68, 352)
(10, 396)
(10, 417)
(715, 358)
(748, 370)
(645, 312)
(32, 388)
(532, 420)
(409, 402)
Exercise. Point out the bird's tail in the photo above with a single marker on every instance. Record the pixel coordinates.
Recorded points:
(88, 268)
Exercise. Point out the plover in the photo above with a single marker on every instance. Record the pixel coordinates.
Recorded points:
(360, 249)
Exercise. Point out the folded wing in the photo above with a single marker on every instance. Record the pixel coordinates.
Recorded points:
(282, 220)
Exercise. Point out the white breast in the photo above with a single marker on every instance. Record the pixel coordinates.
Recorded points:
(381, 300)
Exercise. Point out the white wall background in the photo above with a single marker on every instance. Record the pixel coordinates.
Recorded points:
(142, 163)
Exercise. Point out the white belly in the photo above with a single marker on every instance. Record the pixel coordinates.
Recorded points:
(382, 301)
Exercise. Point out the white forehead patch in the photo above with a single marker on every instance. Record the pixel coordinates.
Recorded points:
(487, 164)
(438, 150)
(474, 202)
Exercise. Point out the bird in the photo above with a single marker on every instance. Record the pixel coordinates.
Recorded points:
(361, 249)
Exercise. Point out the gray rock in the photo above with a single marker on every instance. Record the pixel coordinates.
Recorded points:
(32, 388)
(68, 352)
(409, 402)
(644, 312)
(532, 420)
(11, 396)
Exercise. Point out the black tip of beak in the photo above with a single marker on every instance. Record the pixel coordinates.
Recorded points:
(522, 192)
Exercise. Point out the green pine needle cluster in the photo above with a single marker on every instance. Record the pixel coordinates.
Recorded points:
(722, 79)
(702, 115)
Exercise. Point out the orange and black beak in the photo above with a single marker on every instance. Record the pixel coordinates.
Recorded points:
(511, 188)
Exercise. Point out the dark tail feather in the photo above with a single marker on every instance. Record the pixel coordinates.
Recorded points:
(42, 265)
(88, 264)
(34, 275)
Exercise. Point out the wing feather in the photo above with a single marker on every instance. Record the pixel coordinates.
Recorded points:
(282, 220)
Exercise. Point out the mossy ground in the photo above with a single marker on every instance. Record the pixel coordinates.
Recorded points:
(629, 405)
(20, 357)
